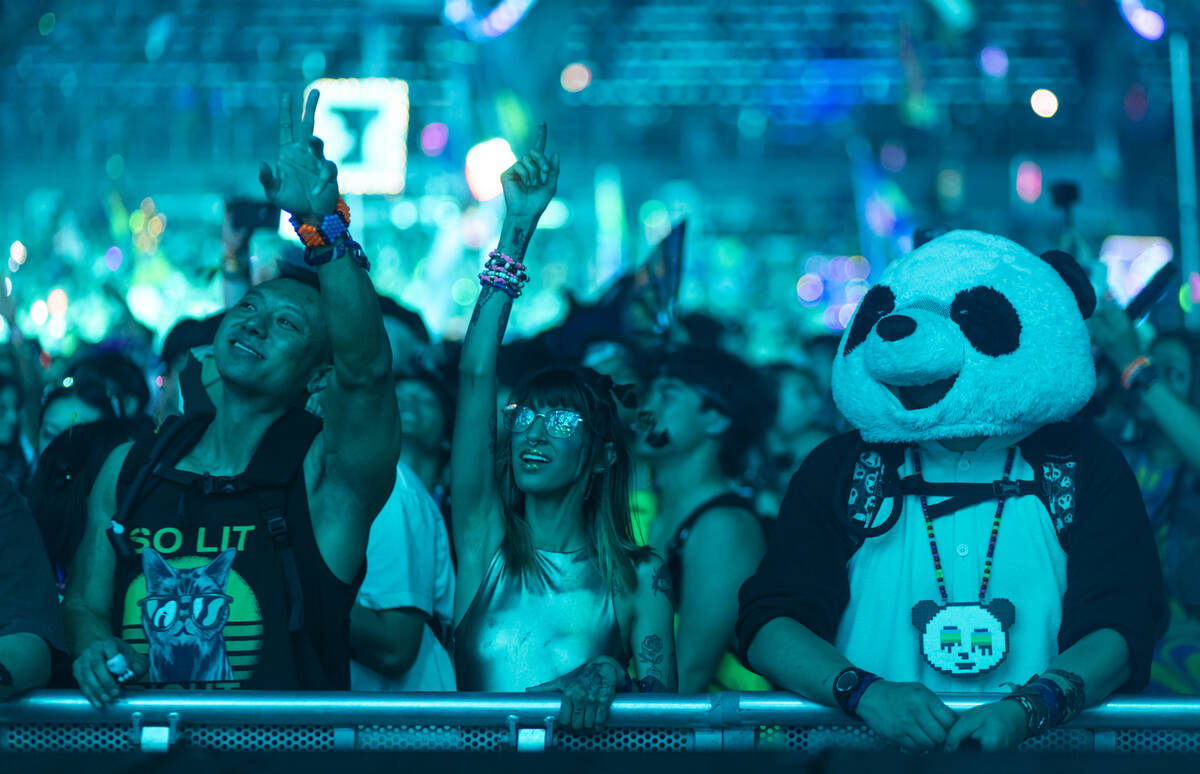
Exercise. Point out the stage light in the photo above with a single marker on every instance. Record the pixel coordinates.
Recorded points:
(1029, 181)
(433, 139)
(485, 163)
(1044, 103)
(575, 77)
(39, 313)
(364, 123)
(994, 61)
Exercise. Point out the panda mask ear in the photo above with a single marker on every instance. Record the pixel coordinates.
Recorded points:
(1072, 273)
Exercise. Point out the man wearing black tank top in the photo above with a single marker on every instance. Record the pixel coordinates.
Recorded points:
(282, 342)
(702, 413)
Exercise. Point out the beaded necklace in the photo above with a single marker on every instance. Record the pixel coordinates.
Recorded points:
(964, 638)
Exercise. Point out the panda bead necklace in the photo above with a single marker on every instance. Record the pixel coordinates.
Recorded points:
(964, 638)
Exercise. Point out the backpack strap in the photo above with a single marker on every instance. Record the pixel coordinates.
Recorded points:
(874, 478)
(174, 434)
(275, 465)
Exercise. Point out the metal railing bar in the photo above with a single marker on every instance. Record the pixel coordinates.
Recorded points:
(706, 711)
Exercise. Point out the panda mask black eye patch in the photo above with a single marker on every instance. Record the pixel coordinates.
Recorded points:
(988, 320)
(875, 305)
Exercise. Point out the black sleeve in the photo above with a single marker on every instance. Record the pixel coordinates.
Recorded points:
(28, 599)
(803, 575)
(1114, 580)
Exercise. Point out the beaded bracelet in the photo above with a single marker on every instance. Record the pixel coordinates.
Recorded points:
(319, 255)
(332, 226)
(503, 272)
(1046, 704)
(1131, 371)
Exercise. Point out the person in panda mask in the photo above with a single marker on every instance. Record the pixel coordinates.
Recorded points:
(965, 537)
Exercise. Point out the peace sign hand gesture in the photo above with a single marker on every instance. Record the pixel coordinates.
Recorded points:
(303, 181)
(529, 184)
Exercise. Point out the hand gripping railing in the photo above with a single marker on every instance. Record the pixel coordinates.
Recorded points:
(158, 720)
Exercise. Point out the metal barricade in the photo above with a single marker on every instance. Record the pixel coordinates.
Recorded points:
(244, 720)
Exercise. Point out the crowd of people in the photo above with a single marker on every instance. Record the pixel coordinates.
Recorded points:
(316, 495)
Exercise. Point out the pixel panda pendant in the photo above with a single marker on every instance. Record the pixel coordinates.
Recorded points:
(964, 639)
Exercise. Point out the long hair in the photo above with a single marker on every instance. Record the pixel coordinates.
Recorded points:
(606, 514)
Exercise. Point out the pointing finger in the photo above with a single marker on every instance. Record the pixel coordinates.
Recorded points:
(285, 119)
(310, 113)
(539, 143)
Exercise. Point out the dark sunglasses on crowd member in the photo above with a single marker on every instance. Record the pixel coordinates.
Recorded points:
(560, 423)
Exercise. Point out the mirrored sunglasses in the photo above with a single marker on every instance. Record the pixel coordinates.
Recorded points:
(207, 611)
(560, 423)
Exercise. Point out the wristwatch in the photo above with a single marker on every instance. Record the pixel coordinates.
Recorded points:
(848, 688)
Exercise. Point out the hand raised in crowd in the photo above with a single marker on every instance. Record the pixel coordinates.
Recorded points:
(303, 182)
(999, 725)
(907, 714)
(588, 692)
(529, 184)
(98, 684)
(1113, 333)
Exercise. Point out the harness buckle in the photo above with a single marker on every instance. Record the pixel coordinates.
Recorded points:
(1005, 488)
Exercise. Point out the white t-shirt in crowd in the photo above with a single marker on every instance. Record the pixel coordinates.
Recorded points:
(408, 565)
(891, 573)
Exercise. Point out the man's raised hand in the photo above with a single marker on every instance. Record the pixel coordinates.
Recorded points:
(303, 182)
(529, 184)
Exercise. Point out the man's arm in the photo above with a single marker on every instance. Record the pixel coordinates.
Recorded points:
(87, 602)
(723, 550)
(361, 439)
(24, 663)
(386, 641)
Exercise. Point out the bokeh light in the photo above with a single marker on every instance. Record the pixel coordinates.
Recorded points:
(1145, 22)
(46, 24)
(892, 157)
(17, 252)
(1029, 181)
(113, 258)
(993, 60)
(1044, 103)
(486, 162)
(56, 302)
(809, 289)
(575, 77)
(39, 312)
(115, 166)
(434, 138)
(556, 216)
(950, 184)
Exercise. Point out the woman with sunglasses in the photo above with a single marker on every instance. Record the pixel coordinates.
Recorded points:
(552, 592)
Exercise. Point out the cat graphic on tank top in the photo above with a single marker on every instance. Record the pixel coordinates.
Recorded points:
(184, 615)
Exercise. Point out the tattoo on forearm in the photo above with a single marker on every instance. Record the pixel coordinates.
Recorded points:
(521, 239)
(651, 656)
(662, 583)
(485, 293)
(652, 685)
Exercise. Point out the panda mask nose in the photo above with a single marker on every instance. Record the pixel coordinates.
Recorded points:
(895, 327)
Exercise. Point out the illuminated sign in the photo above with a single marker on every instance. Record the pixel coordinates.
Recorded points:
(364, 124)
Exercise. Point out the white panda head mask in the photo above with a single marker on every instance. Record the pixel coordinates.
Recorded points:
(968, 335)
